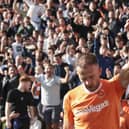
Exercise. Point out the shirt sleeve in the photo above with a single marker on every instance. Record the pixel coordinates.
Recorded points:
(10, 96)
(68, 114)
(115, 81)
(30, 99)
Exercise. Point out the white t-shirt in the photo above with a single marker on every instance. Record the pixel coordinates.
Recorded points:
(35, 124)
(17, 49)
(35, 11)
(69, 59)
(50, 90)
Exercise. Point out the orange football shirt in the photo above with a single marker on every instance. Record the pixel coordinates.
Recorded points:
(93, 110)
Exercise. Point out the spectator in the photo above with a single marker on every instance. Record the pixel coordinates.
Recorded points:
(69, 57)
(65, 37)
(51, 51)
(85, 28)
(26, 28)
(20, 100)
(9, 84)
(58, 24)
(60, 71)
(4, 43)
(13, 28)
(103, 55)
(81, 43)
(114, 23)
(95, 14)
(36, 87)
(11, 116)
(50, 95)
(17, 46)
(119, 42)
(35, 11)
(35, 122)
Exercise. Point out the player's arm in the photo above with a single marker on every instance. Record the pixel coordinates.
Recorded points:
(68, 118)
(124, 75)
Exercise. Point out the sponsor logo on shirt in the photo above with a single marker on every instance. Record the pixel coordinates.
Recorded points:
(93, 108)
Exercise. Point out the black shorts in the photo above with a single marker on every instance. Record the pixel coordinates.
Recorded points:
(51, 114)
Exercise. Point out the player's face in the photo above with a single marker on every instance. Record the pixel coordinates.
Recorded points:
(90, 76)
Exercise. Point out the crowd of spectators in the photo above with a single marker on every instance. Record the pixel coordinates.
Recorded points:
(35, 33)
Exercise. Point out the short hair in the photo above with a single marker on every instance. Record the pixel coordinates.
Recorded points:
(50, 65)
(25, 78)
(12, 66)
(86, 60)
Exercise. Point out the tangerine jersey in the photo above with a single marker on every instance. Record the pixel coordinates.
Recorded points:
(93, 110)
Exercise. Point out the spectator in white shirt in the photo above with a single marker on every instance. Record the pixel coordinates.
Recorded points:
(35, 11)
(17, 46)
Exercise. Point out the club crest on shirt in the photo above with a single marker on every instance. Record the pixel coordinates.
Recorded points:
(101, 93)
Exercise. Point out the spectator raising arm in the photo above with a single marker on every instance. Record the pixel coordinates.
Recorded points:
(66, 78)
